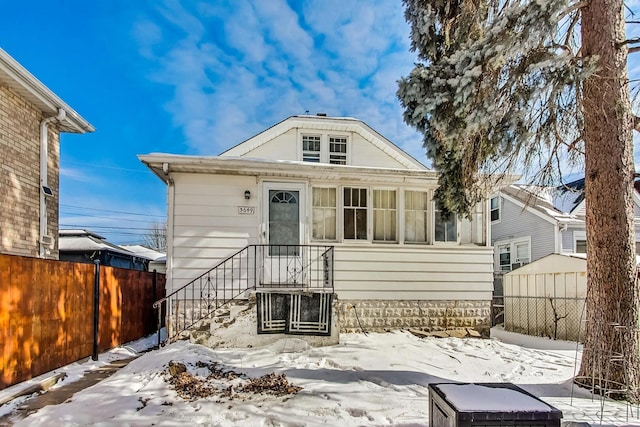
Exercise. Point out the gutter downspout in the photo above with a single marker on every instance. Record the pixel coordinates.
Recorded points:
(171, 205)
(561, 227)
(44, 157)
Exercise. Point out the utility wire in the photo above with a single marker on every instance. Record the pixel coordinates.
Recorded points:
(106, 227)
(107, 167)
(110, 211)
(102, 217)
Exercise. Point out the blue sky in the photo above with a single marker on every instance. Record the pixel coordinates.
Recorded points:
(191, 77)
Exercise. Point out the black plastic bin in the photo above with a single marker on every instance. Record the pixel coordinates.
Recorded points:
(488, 405)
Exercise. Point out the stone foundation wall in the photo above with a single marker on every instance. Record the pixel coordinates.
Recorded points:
(385, 315)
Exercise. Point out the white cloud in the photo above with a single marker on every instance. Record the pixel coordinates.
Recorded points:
(237, 69)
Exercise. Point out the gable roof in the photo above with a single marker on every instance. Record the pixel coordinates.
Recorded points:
(321, 122)
(537, 200)
(23, 82)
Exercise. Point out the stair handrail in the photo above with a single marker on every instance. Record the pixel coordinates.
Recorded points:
(326, 254)
(164, 301)
(157, 303)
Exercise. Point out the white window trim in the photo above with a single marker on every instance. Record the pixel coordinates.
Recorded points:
(512, 250)
(497, 221)
(433, 227)
(430, 217)
(324, 143)
(301, 145)
(496, 247)
(578, 235)
(338, 216)
(369, 214)
(397, 240)
(328, 146)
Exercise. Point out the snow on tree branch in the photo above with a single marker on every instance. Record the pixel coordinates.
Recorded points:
(495, 80)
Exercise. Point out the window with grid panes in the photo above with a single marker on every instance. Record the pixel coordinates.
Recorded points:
(324, 213)
(384, 215)
(311, 148)
(355, 213)
(416, 208)
(338, 150)
(504, 257)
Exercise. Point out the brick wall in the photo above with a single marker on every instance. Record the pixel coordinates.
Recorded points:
(20, 176)
(384, 315)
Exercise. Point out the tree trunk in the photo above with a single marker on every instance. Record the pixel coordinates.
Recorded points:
(612, 294)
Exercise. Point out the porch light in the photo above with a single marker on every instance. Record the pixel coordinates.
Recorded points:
(247, 194)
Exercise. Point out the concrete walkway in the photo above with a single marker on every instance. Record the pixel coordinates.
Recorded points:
(64, 393)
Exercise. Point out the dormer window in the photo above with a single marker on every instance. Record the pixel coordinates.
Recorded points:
(338, 150)
(311, 148)
(323, 148)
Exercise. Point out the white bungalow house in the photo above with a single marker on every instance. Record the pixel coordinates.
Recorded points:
(324, 205)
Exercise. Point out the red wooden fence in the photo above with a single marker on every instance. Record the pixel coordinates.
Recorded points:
(46, 312)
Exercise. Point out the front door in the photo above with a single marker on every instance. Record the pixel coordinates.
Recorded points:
(284, 210)
(284, 221)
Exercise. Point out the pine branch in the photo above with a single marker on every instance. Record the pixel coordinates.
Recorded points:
(633, 49)
(636, 123)
(574, 7)
(629, 41)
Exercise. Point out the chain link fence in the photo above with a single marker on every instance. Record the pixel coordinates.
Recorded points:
(553, 317)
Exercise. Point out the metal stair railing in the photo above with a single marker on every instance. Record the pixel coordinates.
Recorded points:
(299, 267)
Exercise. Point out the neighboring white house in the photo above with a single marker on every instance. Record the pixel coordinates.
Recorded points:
(333, 182)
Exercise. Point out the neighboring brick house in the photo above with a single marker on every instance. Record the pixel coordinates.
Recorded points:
(31, 119)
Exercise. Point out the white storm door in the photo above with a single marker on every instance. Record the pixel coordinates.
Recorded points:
(284, 210)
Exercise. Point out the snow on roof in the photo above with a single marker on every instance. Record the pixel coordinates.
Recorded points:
(145, 252)
(539, 199)
(83, 240)
(556, 202)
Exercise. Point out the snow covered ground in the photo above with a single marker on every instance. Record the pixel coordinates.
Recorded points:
(375, 379)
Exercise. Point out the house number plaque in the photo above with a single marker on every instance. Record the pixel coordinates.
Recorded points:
(246, 210)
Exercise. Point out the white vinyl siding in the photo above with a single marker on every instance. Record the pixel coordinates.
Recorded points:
(205, 229)
(413, 272)
(384, 215)
(416, 216)
(324, 214)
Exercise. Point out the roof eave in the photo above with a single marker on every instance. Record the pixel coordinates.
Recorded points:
(36, 92)
(221, 164)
